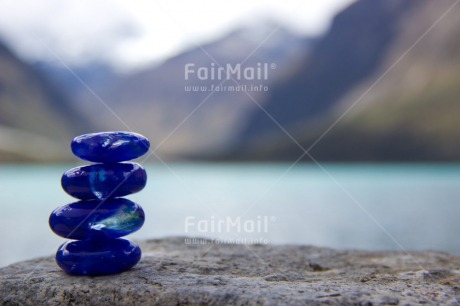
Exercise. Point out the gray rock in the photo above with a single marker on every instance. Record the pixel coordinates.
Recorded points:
(173, 272)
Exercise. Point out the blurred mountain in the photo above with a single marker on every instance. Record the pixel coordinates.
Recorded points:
(408, 113)
(36, 119)
(158, 101)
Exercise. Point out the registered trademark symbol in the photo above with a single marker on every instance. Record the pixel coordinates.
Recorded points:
(273, 66)
(273, 218)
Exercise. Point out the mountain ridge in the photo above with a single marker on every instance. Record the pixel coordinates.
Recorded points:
(407, 116)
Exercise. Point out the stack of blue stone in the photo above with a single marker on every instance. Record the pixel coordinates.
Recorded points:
(101, 217)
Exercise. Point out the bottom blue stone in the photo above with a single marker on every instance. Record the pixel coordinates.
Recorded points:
(87, 257)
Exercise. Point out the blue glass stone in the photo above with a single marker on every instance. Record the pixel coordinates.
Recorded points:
(109, 147)
(96, 219)
(100, 181)
(99, 257)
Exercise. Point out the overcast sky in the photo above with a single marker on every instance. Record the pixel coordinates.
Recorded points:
(132, 33)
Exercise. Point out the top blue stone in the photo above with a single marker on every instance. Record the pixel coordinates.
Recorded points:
(110, 147)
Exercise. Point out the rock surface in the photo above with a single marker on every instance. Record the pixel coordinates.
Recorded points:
(179, 271)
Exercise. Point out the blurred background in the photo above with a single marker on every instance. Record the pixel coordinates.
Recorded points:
(350, 138)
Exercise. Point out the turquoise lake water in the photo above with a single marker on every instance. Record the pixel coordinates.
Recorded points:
(374, 207)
